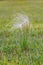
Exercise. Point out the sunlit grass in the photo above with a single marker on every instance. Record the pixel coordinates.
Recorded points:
(21, 47)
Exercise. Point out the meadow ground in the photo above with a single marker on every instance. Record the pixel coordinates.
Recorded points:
(21, 47)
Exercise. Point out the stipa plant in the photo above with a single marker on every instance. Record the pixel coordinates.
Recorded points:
(19, 21)
(24, 38)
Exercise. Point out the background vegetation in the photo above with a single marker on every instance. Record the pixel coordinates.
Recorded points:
(17, 48)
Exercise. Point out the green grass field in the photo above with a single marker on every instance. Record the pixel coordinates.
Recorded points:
(21, 47)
